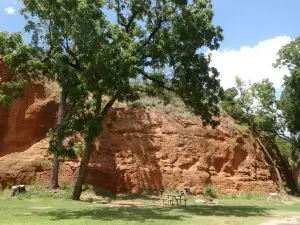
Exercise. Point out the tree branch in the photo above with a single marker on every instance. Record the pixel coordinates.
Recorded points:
(107, 107)
(155, 80)
(284, 137)
(71, 53)
(50, 32)
(152, 34)
(127, 27)
(118, 13)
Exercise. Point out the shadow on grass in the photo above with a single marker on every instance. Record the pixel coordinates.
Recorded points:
(154, 213)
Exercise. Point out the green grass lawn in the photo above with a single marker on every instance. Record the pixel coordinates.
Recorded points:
(49, 210)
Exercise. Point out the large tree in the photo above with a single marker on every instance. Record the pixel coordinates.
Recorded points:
(105, 54)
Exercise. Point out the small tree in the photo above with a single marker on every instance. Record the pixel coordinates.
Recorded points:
(289, 56)
(256, 106)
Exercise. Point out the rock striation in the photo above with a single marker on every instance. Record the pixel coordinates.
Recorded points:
(140, 149)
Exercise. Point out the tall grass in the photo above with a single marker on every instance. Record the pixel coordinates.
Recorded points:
(38, 191)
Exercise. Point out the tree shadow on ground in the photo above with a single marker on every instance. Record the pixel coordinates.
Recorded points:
(154, 213)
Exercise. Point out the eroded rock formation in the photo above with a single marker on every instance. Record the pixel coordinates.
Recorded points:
(143, 149)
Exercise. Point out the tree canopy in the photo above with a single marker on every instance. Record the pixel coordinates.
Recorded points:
(289, 56)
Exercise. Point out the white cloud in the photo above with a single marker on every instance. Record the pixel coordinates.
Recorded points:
(10, 10)
(251, 63)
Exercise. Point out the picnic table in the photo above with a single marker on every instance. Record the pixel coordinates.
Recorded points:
(171, 199)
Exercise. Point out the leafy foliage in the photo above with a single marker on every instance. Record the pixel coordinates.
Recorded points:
(289, 56)
(210, 191)
(255, 106)
(12, 87)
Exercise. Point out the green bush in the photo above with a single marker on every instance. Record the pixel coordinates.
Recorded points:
(210, 191)
(77, 148)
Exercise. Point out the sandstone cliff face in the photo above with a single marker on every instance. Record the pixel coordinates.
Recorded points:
(143, 149)
(148, 149)
(27, 120)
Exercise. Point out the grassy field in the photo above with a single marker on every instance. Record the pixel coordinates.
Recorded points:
(32, 210)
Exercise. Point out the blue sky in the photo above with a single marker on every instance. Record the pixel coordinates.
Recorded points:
(254, 31)
(246, 22)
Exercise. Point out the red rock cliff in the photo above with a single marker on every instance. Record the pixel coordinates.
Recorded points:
(143, 149)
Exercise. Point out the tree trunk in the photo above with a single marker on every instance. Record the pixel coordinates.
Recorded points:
(89, 147)
(273, 163)
(82, 170)
(55, 160)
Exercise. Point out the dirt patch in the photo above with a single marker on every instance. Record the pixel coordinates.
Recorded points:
(288, 221)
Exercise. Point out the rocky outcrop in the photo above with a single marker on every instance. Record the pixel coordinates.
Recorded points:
(146, 150)
(140, 149)
(149, 149)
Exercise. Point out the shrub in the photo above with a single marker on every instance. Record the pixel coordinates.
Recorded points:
(210, 191)
(77, 148)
